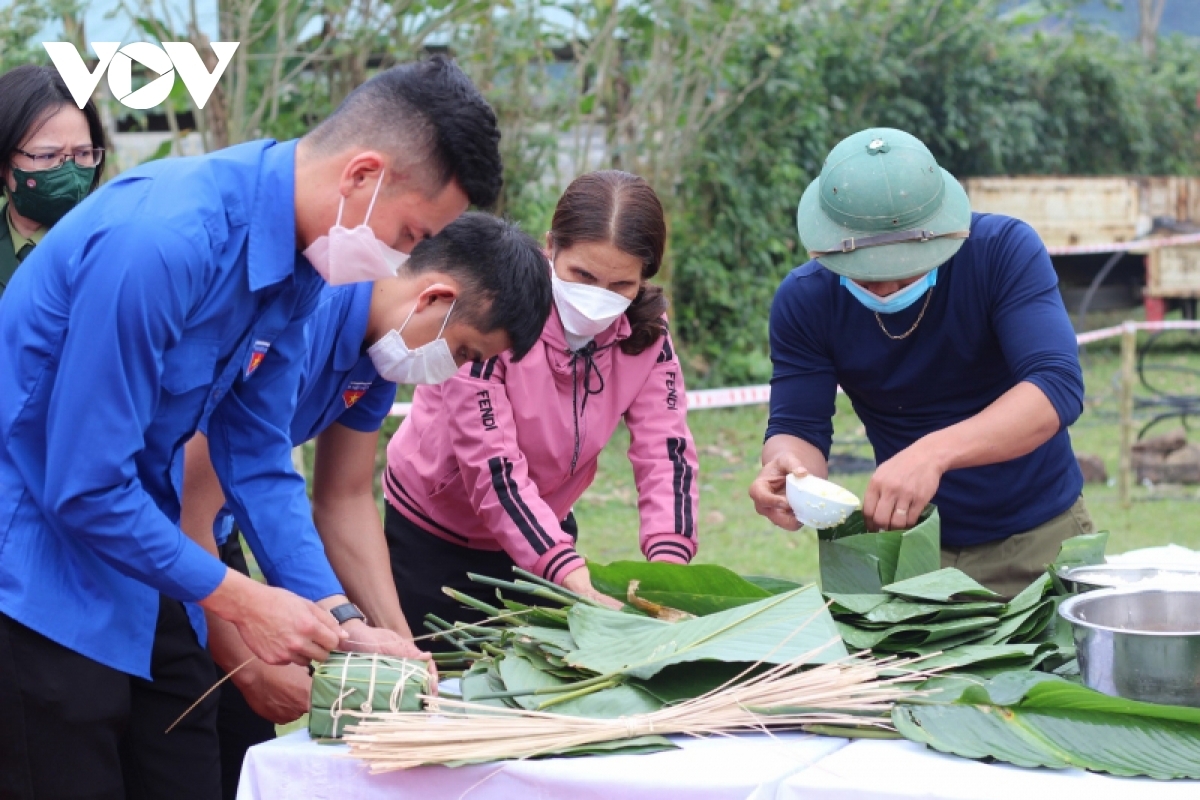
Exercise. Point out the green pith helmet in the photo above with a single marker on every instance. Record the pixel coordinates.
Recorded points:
(883, 209)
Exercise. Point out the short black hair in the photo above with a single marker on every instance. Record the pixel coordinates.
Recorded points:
(503, 275)
(27, 93)
(430, 118)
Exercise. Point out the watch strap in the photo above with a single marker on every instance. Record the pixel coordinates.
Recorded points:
(346, 612)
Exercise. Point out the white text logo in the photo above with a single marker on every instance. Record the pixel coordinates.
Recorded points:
(178, 57)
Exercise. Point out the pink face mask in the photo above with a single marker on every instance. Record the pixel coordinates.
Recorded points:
(353, 255)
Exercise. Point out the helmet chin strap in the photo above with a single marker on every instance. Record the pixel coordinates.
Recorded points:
(891, 237)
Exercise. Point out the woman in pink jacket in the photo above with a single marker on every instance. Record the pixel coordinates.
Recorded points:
(484, 471)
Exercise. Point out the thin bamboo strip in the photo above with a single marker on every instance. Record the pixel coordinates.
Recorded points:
(839, 693)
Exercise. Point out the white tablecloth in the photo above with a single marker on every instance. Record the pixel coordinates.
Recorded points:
(895, 770)
(751, 767)
(294, 767)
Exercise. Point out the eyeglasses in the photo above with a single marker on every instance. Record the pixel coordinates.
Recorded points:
(85, 157)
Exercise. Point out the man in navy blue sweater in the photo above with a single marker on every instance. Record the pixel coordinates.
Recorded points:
(947, 332)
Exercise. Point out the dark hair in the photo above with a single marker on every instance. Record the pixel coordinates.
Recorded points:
(503, 273)
(623, 210)
(27, 94)
(431, 119)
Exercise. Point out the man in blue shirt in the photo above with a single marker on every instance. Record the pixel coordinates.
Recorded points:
(947, 332)
(179, 291)
(478, 288)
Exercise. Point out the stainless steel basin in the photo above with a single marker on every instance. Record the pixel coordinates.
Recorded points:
(1113, 576)
(1142, 642)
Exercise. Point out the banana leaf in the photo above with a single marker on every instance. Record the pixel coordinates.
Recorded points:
(559, 640)
(622, 747)
(1029, 596)
(698, 589)
(940, 585)
(1123, 745)
(1043, 691)
(1080, 551)
(544, 661)
(1034, 719)
(1015, 628)
(897, 610)
(640, 745)
(480, 681)
(534, 615)
(773, 630)
(856, 603)
(985, 657)
(772, 585)
(913, 634)
(853, 561)
(521, 675)
(681, 682)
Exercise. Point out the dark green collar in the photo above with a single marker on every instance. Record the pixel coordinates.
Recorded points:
(8, 256)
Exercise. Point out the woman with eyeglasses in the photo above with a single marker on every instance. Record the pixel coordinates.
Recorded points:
(51, 152)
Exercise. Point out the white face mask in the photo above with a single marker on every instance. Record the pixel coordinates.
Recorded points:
(585, 310)
(352, 256)
(428, 364)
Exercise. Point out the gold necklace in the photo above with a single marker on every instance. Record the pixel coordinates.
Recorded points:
(908, 332)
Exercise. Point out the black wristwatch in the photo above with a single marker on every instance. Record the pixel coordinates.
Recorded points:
(346, 612)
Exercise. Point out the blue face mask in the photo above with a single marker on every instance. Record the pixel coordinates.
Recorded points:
(896, 301)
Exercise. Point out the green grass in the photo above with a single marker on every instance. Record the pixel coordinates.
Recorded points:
(729, 442)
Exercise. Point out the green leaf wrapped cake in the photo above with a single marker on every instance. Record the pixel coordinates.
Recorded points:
(352, 686)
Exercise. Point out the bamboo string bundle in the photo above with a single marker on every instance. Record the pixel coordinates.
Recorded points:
(851, 693)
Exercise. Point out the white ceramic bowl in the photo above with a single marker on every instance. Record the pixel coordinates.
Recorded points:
(818, 502)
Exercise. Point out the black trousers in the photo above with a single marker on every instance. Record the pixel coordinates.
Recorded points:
(423, 563)
(237, 724)
(71, 727)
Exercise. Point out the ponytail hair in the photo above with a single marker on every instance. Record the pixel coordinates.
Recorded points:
(620, 209)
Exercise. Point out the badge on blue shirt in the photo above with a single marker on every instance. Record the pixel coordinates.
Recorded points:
(354, 392)
(257, 353)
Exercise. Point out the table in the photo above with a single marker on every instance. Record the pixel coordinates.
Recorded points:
(903, 770)
(748, 767)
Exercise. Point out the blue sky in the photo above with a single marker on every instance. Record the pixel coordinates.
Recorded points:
(1181, 16)
(122, 29)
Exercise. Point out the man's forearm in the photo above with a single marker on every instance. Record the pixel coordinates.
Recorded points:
(225, 644)
(1017, 423)
(202, 495)
(354, 542)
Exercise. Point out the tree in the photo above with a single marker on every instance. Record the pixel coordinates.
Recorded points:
(657, 76)
(296, 59)
(1150, 14)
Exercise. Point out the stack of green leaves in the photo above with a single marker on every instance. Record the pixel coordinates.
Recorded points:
(1039, 720)
(890, 596)
(583, 659)
(855, 561)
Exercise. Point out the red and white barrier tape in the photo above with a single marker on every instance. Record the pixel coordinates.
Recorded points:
(1116, 330)
(761, 394)
(1125, 247)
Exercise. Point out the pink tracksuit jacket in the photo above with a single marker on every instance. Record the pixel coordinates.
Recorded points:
(495, 457)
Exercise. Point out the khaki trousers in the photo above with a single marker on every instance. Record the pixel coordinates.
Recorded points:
(1009, 565)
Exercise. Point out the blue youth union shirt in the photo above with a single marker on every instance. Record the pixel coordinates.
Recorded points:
(338, 381)
(175, 291)
(995, 319)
